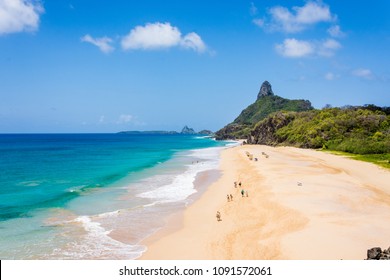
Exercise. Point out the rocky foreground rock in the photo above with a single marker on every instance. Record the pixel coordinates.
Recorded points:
(376, 253)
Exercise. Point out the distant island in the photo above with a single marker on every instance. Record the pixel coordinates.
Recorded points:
(185, 131)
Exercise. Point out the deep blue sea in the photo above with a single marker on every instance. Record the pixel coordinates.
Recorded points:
(94, 196)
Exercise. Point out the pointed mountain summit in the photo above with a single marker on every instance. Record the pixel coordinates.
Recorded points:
(265, 90)
(265, 104)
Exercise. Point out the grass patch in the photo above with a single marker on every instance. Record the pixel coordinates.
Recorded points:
(382, 160)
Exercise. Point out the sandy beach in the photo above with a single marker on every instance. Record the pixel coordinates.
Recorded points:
(301, 204)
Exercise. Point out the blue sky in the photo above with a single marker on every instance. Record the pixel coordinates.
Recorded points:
(106, 66)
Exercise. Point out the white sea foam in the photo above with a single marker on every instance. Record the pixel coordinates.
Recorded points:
(76, 188)
(180, 186)
(109, 214)
(97, 244)
(160, 189)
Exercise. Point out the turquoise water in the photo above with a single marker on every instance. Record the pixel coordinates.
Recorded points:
(85, 196)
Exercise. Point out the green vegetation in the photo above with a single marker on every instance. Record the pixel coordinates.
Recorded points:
(361, 132)
(378, 159)
(241, 127)
(267, 105)
(356, 130)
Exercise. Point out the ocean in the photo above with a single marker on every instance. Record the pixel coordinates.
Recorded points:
(94, 196)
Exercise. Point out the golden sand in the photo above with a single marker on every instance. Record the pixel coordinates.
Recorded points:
(301, 204)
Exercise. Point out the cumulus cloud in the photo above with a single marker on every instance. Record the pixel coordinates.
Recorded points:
(19, 15)
(294, 48)
(328, 47)
(194, 42)
(158, 35)
(363, 73)
(298, 18)
(335, 31)
(152, 36)
(103, 43)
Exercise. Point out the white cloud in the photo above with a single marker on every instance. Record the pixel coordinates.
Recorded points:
(103, 43)
(161, 36)
(331, 44)
(363, 73)
(194, 42)
(19, 15)
(313, 12)
(295, 48)
(152, 36)
(300, 18)
(328, 47)
(335, 31)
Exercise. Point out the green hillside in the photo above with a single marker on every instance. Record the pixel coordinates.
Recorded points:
(269, 104)
(358, 130)
(265, 104)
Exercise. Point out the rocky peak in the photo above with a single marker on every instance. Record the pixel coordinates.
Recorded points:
(187, 130)
(265, 90)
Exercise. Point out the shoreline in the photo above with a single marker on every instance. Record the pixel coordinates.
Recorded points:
(302, 204)
(174, 221)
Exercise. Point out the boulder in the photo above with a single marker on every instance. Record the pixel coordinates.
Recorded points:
(374, 253)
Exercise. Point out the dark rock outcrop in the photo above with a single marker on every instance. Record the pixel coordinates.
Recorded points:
(265, 90)
(264, 131)
(376, 253)
(187, 130)
(206, 132)
(232, 131)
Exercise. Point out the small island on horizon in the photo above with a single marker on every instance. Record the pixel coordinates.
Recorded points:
(185, 131)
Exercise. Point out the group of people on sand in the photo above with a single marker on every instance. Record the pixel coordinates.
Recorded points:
(230, 198)
(243, 192)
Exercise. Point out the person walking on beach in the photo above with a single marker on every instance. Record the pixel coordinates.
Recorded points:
(231, 197)
(228, 198)
(239, 184)
(246, 193)
(218, 215)
(242, 192)
(235, 184)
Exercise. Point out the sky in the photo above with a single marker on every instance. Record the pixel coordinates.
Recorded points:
(105, 66)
